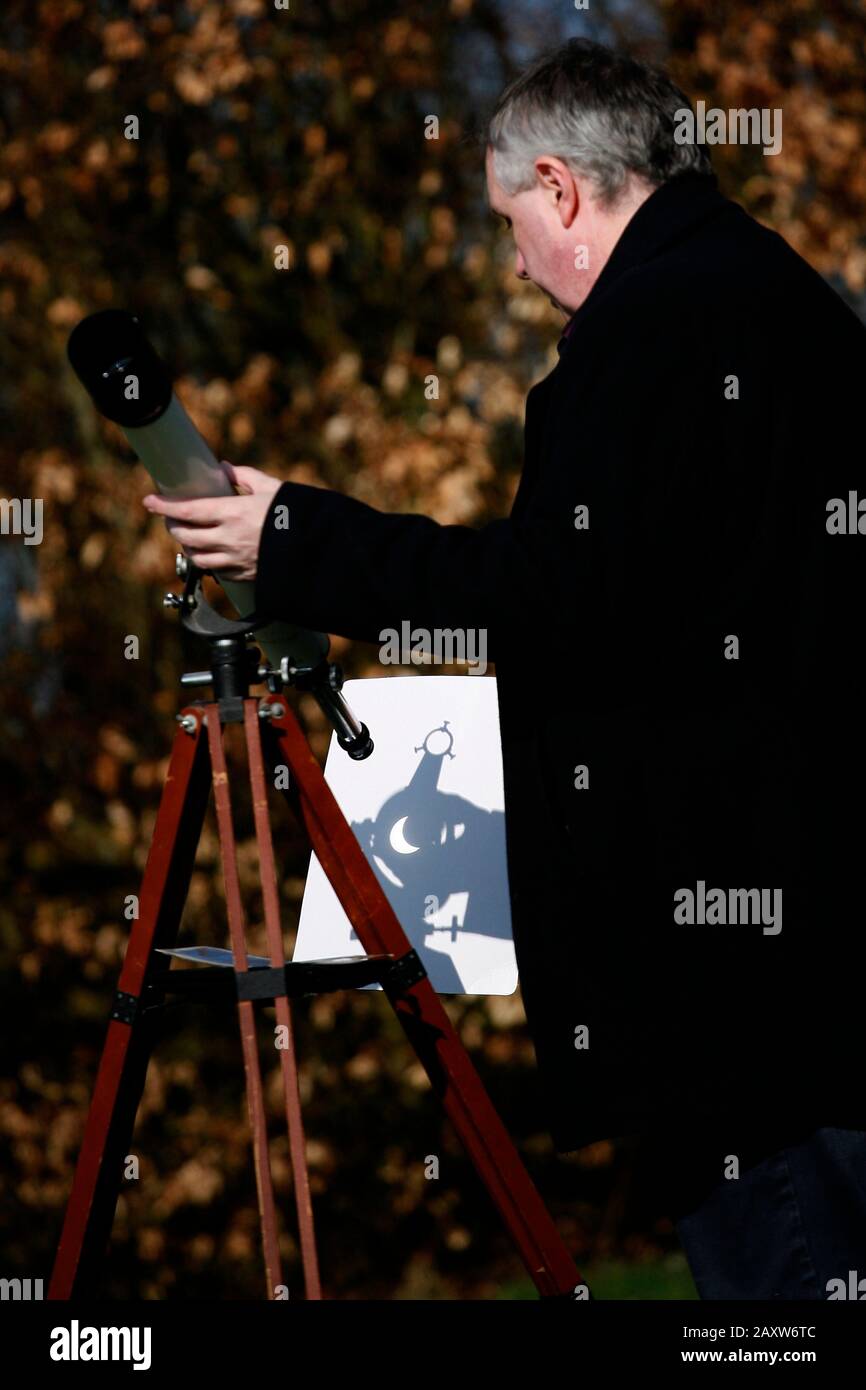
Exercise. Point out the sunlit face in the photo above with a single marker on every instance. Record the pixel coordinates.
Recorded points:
(542, 249)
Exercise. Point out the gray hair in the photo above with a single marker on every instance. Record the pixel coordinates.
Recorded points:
(605, 115)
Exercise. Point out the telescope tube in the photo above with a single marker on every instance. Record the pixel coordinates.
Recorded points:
(131, 385)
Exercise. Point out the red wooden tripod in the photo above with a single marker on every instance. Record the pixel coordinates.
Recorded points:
(274, 737)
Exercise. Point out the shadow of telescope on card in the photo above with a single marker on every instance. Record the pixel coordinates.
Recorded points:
(441, 862)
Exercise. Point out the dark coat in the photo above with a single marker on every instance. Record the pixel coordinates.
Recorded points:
(707, 520)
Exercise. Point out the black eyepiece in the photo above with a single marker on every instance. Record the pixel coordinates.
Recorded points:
(114, 360)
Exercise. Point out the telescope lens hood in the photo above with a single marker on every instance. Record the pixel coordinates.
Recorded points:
(114, 360)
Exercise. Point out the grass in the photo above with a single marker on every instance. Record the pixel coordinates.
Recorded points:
(668, 1278)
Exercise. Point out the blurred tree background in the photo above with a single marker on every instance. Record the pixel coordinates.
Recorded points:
(307, 128)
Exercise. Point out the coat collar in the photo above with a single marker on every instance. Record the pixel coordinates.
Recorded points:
(672, 212)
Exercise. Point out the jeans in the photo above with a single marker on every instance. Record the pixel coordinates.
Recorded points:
(791, 1224)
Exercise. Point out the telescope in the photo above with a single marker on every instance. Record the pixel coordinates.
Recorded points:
(130, 384)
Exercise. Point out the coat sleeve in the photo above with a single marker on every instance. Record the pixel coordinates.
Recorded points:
(623, 431)
(342, 567)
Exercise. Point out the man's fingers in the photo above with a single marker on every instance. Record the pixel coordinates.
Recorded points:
(199, 510)
(252, 480)
(236, 476)
(197, 536)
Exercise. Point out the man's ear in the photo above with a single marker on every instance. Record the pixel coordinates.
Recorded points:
(559, 184)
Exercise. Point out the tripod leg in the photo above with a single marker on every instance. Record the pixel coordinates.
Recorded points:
(246, 1013)
(276, 950)
(123, 1065)
(425, 1021)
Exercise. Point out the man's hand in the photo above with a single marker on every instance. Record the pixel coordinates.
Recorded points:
(222, 533)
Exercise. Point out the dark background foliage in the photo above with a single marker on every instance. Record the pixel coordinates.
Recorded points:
(304, 128)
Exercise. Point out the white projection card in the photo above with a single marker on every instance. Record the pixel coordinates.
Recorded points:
(428, 809)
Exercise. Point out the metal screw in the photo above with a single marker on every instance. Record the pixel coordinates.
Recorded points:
(181, 566)
(187, 722)
(172, 601)
(267, 711)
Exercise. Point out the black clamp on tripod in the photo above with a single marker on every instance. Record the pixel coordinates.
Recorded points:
(234, 666)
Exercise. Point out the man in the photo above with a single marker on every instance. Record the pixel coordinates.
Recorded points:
(673, 607)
